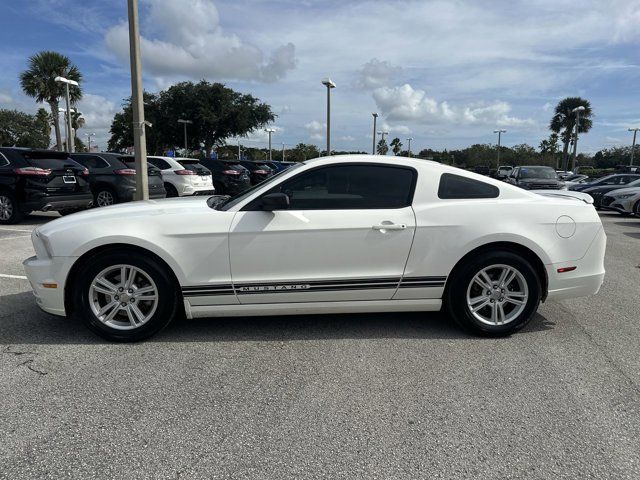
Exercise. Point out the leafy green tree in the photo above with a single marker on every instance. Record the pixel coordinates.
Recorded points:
(549, 149)
(563, 122)
(44, 122)
(302, 152)
(38, 81)
(121, 127)
(382, 148)
(22, 130)
(396, 146)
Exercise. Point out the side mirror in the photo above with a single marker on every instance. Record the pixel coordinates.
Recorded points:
(274, 201)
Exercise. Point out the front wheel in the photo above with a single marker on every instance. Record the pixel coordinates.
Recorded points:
(494, 294)
(636, 208)
(104, 197)
(124, 297)
(9, 209)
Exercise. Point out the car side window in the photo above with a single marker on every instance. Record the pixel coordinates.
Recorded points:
(3, 160)
(459, 187)
(91, 161)
(345, 187)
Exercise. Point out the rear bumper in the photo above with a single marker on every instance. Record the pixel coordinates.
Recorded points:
(48, 271)
(60, 202)
(586, 279)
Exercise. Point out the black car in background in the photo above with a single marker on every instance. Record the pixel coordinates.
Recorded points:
(112, 177)
(535, 177)
(618, 180)
(598, 192)
(258, 171)
(229, 177)
(40, 180)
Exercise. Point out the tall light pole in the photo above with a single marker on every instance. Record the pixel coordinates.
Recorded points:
(139, 138)
(499, 132)
(409, 147)
(66, 126)
(185, 123)
(327, 82)
(633, 145)
(89, 135)
(270, 131)
(373, 147)
(577, 111)
(239, 151)
(67, 82)
(283, 151)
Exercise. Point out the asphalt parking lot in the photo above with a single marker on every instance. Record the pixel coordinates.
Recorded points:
(336, 396)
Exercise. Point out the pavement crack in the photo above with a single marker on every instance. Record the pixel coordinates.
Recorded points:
(15, 352)
(28, 363)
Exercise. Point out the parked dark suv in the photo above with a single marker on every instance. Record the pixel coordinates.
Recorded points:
(258, 171)
(113, 177)
(535, 177)
(40, 180)
(229, 177)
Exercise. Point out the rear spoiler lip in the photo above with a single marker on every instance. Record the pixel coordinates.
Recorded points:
(585, 197)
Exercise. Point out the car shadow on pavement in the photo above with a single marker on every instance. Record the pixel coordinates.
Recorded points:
(635, 223)
(632, 234)
(21, 322)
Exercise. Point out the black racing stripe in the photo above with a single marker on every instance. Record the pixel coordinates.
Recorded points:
(359, 281)
(226, 286)
(423, 279)
(422, 285)
(207, 294)
(320, 289)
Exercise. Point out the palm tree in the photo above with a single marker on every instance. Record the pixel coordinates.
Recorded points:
(396, 146)
(563, 121)
(38, 82)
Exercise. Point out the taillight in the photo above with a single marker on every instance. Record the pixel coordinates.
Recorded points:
(184, 172)
(125, 171)
(85, 172)
(231, 172)
(262, 172)
(42, 172)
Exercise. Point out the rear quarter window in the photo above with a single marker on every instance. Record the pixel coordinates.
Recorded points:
(458, 187)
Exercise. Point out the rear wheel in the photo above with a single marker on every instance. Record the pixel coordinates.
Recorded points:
(9, 209)
(124, 297)
(171, 190)
(494, 294)
(104, 196)
(636, 208)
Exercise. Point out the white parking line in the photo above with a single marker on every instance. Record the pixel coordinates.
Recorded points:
(14, 229)
(18, 277)
(15, 236)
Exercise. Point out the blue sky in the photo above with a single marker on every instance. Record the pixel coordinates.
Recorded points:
(446, 73)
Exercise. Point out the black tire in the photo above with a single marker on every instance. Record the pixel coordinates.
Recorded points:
(171, 190)
(102, 195)
(459, 284)
(636, 208)
(9, 209)
(164, 311)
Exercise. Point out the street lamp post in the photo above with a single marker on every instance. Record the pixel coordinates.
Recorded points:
(409, 146)
(633, 145)
(373, 148)
(239, 151)
(89, 135)
(270, 131)
(577, 111)
(66, 126)
(327, 82)
(139, 138)
(283, 151)
(67, 82)
(499, 132)
(185, 123)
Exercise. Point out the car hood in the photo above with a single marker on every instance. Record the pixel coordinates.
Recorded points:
(540, 181)
(621, 191)
(127, 212)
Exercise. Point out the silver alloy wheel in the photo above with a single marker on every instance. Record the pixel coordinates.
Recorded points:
(497, 294)
(6, 207)
(105, 198)
(123, 297)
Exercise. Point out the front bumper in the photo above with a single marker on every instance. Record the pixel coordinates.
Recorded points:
(623, 206)
(48, 271)
(586, 279)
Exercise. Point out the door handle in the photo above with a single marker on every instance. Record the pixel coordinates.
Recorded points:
(389, 226)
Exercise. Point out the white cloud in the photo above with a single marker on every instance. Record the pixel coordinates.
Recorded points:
(98, 113)
(396, 129)
(347, 138)
(316, 130)
(376, 74)
(5, 99)
(404, 103)
(185, 39)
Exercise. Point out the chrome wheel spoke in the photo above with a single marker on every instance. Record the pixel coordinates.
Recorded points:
(482, 283)
(481, 306)
(509, 278)
(500, 311)
(509, 299)
(115, 290)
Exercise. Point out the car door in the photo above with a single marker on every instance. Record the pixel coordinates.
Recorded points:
(345, 236)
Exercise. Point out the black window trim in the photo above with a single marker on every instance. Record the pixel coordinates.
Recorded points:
(469, 179)
(6, 160)
(248, 206)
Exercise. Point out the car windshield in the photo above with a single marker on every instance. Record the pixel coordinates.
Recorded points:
(231, 201)
(538, 172)
(193, 165)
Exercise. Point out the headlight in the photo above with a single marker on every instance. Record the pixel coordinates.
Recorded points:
(41, 244)
(626, 195)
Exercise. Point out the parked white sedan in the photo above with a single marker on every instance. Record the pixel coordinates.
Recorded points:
(339, 234)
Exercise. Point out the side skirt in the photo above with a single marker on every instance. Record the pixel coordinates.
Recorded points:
(312, 308)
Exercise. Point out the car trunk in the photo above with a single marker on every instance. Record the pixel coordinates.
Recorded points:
(202, 175)
(154, 175)
(55, 174)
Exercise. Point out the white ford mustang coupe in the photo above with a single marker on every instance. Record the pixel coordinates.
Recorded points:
(339, 234)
